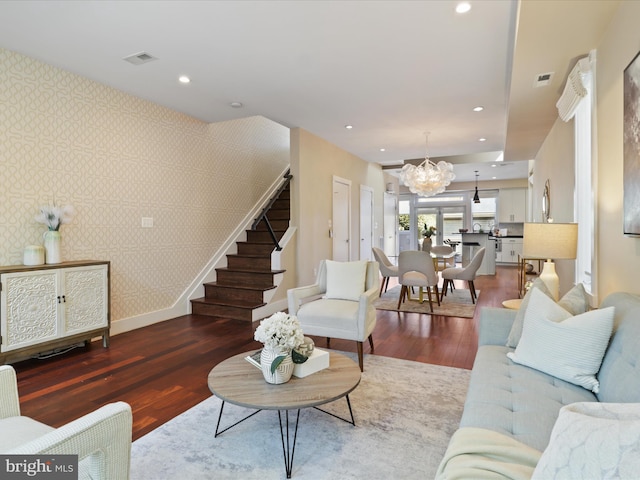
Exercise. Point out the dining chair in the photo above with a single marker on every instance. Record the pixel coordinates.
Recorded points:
(416, 269)
(443, 250)
(467, 273)
(387, 269)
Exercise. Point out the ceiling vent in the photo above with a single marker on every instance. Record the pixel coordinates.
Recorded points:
(542, 79)
(139, 58)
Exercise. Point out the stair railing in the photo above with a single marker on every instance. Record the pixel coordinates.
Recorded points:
(263, 215)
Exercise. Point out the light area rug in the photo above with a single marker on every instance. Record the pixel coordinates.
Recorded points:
(405, 414)
(456, 304)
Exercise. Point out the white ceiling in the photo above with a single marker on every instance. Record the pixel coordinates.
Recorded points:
(392, 69)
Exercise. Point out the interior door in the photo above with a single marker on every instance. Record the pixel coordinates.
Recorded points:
(390, 227)
(366, 222)
(341, 221)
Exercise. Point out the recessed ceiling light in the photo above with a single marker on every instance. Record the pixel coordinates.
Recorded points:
(236, 104)
(494, 165)
(463, 7)
(184, 79)
(482, 139)
(348, 127)
(493, 178)
(479, 108)
(383, 149)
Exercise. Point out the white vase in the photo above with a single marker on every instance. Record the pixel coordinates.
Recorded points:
(426, 244)
(52, 240)
(284, 371)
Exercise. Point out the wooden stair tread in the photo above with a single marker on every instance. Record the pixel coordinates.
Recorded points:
(249, 270)
(222, 303)
(240, 287)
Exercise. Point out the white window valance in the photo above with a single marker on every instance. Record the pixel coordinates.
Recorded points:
(576, 88)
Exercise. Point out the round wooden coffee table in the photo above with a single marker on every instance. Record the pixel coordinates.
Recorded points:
(239, 382)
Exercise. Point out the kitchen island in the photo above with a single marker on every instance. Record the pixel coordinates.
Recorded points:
(471, 243)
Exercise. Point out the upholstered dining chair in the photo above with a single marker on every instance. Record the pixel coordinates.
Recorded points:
(444, 250)
(340, 303)
(387, 269)
(101, 439)
(467, 273)
(416, 269)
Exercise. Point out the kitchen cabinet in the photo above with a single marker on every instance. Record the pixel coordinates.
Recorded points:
(511, 250)
(512, 205)
(47, 307)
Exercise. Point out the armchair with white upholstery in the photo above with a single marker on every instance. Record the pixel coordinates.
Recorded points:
(101, 439)
(340, 303)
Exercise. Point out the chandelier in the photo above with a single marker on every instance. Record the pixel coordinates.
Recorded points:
(427, 179)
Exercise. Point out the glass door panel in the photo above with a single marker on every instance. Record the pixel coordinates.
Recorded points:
(447, 221)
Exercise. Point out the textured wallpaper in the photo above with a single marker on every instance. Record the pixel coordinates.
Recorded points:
(117, 158)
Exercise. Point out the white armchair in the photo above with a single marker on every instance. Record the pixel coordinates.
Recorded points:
(343, 310)
(101, 439)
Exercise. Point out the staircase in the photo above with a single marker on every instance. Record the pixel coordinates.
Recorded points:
(240, 286)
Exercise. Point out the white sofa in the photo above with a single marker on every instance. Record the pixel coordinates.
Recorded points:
(101, 439)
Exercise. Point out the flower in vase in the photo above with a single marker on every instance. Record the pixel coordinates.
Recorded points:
(53, 216)
(281, 332)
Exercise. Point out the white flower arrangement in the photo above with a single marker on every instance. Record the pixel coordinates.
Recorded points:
(280, 331)
(54, 216)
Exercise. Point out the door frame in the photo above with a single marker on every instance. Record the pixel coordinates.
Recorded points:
(366, 254)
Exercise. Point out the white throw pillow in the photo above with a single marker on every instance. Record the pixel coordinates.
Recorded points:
(575, 301)
(345, 280)
(559, 344)
(593, 440)
(516, 327)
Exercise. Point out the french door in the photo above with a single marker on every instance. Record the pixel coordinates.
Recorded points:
(447, 221)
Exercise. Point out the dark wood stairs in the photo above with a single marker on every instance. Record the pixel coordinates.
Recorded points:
(239, 287)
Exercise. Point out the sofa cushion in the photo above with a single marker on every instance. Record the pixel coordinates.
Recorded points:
(19, 430)
(555, 342)
(516, 400)
(346, 280)
(593, 440)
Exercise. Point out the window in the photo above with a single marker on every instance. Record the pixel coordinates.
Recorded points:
(578, 102)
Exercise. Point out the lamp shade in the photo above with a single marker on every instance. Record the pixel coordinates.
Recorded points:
(550, 240)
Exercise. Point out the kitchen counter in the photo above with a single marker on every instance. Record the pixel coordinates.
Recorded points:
(471, 242)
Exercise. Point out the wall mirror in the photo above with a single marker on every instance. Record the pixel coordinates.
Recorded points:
(546, 202)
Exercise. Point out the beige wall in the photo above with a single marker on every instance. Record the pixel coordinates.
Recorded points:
(314, 162)
(618, 256)
(117, 158)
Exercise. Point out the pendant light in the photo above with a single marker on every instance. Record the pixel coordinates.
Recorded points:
(476, 197)
(428, 178)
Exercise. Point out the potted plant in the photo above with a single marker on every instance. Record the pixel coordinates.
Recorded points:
(280, 334)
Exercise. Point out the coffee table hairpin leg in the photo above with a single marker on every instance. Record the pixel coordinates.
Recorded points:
(220, 432)
(288, 448)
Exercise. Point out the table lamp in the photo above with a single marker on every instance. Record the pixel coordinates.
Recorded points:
(553, 241)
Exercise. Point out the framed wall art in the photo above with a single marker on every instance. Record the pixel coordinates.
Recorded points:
(631, 148)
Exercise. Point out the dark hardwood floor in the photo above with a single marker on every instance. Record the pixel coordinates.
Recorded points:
(161, 370)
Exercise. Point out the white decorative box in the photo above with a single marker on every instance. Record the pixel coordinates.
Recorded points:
(318, 360)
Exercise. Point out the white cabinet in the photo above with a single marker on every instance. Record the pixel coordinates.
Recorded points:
(50, 306)
(511, 250)
(512, 205)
